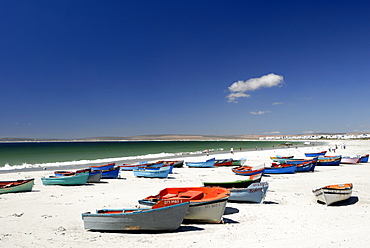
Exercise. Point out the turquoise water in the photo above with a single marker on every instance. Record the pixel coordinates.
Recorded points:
(29, 154)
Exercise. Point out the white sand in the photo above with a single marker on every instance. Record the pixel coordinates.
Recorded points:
(50, 216)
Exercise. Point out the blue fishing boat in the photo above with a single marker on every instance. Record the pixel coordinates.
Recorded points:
(300, 161)
(102, 167)
(94, 176)
(130, 167)
(76, 179)
(364, 159)
(111, 173)
(207, 164)
(305, 167)
(329, 160)
(316, 154)
(160, 172)
(279, 169)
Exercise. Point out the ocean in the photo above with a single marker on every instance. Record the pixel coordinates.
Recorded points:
(21, 155)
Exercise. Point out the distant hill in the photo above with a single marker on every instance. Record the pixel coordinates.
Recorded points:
(164, 137)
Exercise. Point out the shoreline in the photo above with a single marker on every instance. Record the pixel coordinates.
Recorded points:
(289, 217)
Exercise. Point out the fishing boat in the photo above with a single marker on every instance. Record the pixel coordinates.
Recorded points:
(176, 164)
(281, 169)
(112, 173)
(333, 193)
(160, 217)
(328, 160)
(94, 176)
(159, 172)
(239, 162)
(207, 204)
(248, 170)
(281, 159)
(207, 164)
(350, 160)
(364, 158)
(300, 160)
(130, 167)
(235, 184)
(315, 154)
(77, 179)
(224, 162)
(102, 167)
(22, 185)
(305, 167)
(254, 193)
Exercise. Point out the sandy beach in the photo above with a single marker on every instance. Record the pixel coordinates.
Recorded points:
(50, 216)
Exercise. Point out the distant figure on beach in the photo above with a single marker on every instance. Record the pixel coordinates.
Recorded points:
(256, 147)
(232, 150)
(240, 148)
(207, 151)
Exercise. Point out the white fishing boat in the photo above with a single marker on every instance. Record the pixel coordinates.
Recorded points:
(255, 193)
(207, 204)
(333, 193)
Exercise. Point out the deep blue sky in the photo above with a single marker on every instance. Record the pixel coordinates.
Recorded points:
(74, 69)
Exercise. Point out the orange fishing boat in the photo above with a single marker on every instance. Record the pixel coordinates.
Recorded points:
(206, 204)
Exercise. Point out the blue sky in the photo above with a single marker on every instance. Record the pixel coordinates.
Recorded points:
(74, 69)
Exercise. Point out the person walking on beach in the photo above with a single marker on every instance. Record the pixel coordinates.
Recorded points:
(232, 150)
(207, 151)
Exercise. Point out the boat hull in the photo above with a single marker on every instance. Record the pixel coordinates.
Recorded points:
(329, 161)
(348, 160)
(200, 212)
(102, 167)
(315, 154)
(160, 219)
(110, 174)
(364, 159)
(332, 195)
(16, 186)
(77, 179)
(281, 170)
(255, 193)
(153, 172)
(94, 177)
(208, 164)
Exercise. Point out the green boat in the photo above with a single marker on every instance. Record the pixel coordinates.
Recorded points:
(77, 179)
(235, 184)
(16, 186)
(239, 162)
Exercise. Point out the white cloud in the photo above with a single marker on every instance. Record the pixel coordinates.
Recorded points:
(239, 88)
(260, 112)
(233, 96)
(277, 103)
(308, 132)
(273, 132)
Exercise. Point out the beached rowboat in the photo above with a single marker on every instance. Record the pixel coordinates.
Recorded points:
(224, 162)
(333, 193)
(350, 160)
(364, 158)
(248, 170)
(207, 164)
(235, 184)
(94, 176)
(254, 193)
(77, 179)
(158, 218)
(22, 185)
(328, 160)
(152, 172)
(315, 154)
(102, 167)
(207, 205)
(112, 173)
(280, 169)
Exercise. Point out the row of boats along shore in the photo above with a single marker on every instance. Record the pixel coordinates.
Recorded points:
(171, 207)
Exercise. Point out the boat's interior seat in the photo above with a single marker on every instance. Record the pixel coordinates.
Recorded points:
(192, 195)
